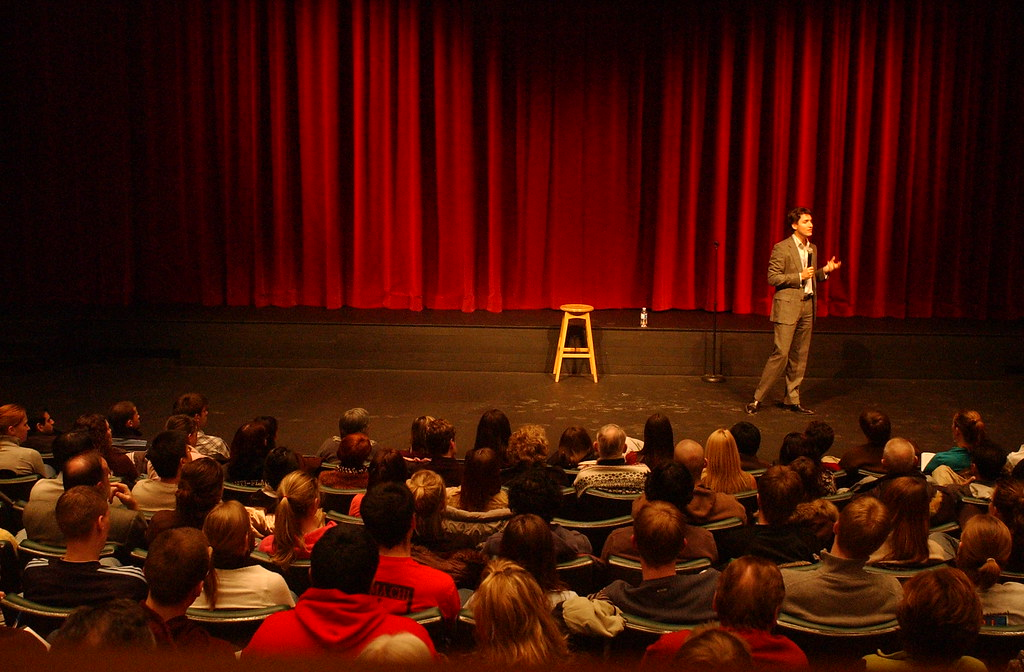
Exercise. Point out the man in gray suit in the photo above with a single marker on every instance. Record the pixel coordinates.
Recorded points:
(792, 272)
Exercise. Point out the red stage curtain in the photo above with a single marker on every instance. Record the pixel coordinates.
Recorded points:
(466, 155)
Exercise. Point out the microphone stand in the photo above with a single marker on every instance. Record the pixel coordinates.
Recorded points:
(715, 376)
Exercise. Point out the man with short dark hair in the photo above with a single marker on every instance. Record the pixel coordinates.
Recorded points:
(659, 536)
(747, 600)
(64, 446)
(125, 435)
(868, 456)
(167, 454)
(41, 432)
(78, 578)
(610, 472)
(439, 438)
(404, 585)
(748, 442)
(119, 625)
(337, 614)
(839, 591)
(197, 406)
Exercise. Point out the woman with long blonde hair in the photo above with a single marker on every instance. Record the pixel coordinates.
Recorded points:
(985, 546)
(514, 625)
(723, 473)
(298, 520)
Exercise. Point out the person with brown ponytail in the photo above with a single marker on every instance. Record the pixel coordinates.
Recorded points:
(968, 432)
(984, 550)
(298, 520)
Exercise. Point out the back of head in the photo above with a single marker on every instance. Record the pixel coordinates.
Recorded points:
(344, 559)
(535, 491)
(747, 436)
(658, 440)
(418, 436)
(279, 463)
(298, 500)
(481, 479)
(989, 459)
(724, 473)
(690, 454)
(611, 442)
(493, 431)
(750, 593)
(119, 625)
(200, 488)
(428, 495)
(712, 649)
(907, 499)
(574, 445)
(388, 510)
(985, 546)
(779, 491)
(249, 448)
(528, 445)
(85, 468)
(353, 450)
(660, 533)
(119, 415)
(67, 445)
(939, 615)
(876, 427)
(970, 426)
(899, 456)
(438, 437)
(527, 541)
(794, 445)
(354, 421)
(864, 525)
(400, 648)
(387, 466)
(78, 511)
(821, 436)
(181, 423)
(270, 422)
(810, 477)
(228, 530)
(10, 416)
(166, 452)
(190, 404)
(670, 482)
(178, 560)
(97, 427)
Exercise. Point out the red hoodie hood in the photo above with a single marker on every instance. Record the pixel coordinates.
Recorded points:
(337, 619)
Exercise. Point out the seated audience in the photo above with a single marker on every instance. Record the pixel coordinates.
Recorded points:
(610, 472)
(796, 445)
(168, 454)
(126, 437)
(428, 493)
(968, 433)
(987, 463)
(774, 536)
(249, 449)
(839, 591)
(481, 486)
(909, 542)
(663, 595)
(723, 473)
(984, 550)
(868, 456)
(13, 431)
(820, 435)
(401, 648)
(672, 483)
(748, 441)
(353, 451)
(403, 584)
(527, 448)
(280, 462)
(98, 428)
(528, 543)
(659, 446)
(707, 506)
(298, 521)
(187, 424)
(337, 614)
(176, 565)
(714, 649)
(117, 625)
(78, 578)
(439, 437)
(64, 446)
(574, 446)
(197, 406)
(418, 451)
(747, 601)
(238, 581)
(386, 466)
(352, 421)
(939, 618)
(493, 431)
(514, 625)
(1008, 506)
(42, 431)
(200, 488)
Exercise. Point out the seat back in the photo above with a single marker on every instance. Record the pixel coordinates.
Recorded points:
(629, 570)
(10, 568)
(29, 549)
(18, 487)
(596, 531)
(641, 632)
(234, 625)
(833, 645)
(20, 613)
(579, 574)
(597, 504)
(239, 493)
(338, 499)
(345, 520)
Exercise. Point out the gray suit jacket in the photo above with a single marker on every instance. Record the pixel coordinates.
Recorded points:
(784, 269)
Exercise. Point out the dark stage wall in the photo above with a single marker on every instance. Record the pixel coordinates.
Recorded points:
(497, 155)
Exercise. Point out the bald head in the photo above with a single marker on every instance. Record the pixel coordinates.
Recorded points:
(611, 442)
(690, 454)
(899, 456)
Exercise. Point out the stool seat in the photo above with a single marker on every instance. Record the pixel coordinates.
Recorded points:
(575, 311)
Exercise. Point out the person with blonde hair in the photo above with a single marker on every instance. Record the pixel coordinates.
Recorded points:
(298, 520)
(527, 447)
(514, 625)
(723, 472)
(985, 546)
(238, 582)
(428, 494)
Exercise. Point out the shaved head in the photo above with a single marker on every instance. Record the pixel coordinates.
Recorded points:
(899, 456)
(690, 454)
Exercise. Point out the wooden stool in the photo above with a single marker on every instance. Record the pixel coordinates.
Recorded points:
(575, 311)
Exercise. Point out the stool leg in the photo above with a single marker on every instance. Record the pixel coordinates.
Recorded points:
(560, 346)
(591, 349)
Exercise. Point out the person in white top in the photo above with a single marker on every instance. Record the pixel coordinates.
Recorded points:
(984, 550)
(167, 454)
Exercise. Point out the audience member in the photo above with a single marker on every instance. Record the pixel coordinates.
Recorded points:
(481, 483)
(298, 520)
(528, 543)
(78, 578)
(514, 625)
(663, 595)
(839, 591)
(985, 546)
(493, 431)
(399, 649)
(64, 446)
(403, 584)
(42, 431)
(747, 600)
(449, 551)
(796, 445)
(868, 456)
(723, 473)
(1008, 506)
(574, 446)
(124, 419)
(197, 406)
(968, 432)
(939, 618)
(987, 463)
(386, 466)
(707, 506)
(352, 421)
(610, 472)
(418, 451)
(527, 448)
(353, 451)
(238, 582)
(908, 542)
(280, 462)
(748, 441)
(439, 437)
(200, 488)
(168, 454)
(248, 451)
(714, 649)
(13, 431)
(820, 435)
(117, 625)
(119, 463)
(187, 424)
(658, 443)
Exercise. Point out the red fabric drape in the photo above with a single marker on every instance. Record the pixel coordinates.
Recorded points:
(499, 155)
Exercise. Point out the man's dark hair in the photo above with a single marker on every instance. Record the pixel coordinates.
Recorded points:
(779, 491)
(670, 482)
(344, 559)
(67, 445)
(35, 418)
(118, 417)
(166, 452)
(660, 533)
(876, 427)
(84, 469)
(793, 216)
(535, 491)
(747, 437)
(191, 403)
(177, 561)
(820, 435)
(279, 463)
(750, 592)
(387, 510)
(115, 624)
(77, 511)
(795, 445)
(989, 459)
(438, 437)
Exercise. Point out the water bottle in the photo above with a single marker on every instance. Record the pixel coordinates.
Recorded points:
(643, 318)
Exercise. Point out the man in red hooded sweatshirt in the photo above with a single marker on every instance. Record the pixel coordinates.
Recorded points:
(336, 615)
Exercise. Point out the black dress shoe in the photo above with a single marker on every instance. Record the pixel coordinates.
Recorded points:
(753, 407)
(797, 408)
